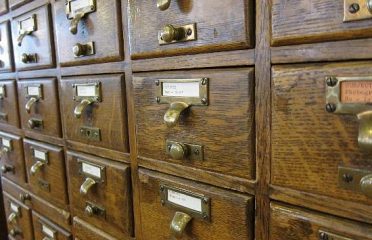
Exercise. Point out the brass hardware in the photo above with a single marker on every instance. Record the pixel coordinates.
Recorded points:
(49, 232)
(92, 209)
(34, 123)
(29, 104)
(173, 114)
(3, 151)
(179, 151)
(86, 94)
(75, 11)
(3, 116)
(163, 4)
(88, 184)
(178, 224)
(12, 218)
(91, 133)
(23, 197)
(14, 232)
(357, 10)
(33, 93)
(81, 107)
(358, 180)
(2, 92)
(342, 100)
(36, 167)
(323, 235)
(96, 172)
(170, 197)
(83, 50)
(366, 185)
(44, 185)
(171, 34)
(29, 58)
(5, 169)
(26, 27)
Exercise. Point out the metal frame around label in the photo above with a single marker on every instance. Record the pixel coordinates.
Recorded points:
(97, 95)
(356, 176)
(364, 10)
(10, 148)
(102, 169)
(40, 89)
(34, 24)
(332, 236)
(2, 96)
(70, 13)
(203, 91)
(46, 160)
(55, 232)
(205, 202)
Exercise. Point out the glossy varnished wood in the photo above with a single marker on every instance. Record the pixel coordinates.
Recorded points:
(3, 7)
(6, 54)
(85, 231)
(40, 222)
(17, 3)
(9, 104)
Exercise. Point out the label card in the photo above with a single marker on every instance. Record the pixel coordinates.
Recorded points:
(48, 231)
(180, 89)
(86, 91)
(40, 154)
(6, 143)
(184, 200)
(91, 170)
(33, 91)
(356, 92)
(79, 4)
(28, 24)
(14, 208)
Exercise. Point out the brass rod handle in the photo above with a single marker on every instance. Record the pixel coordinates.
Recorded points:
(23, 197)
(21, 36)
(12, 218)
(163, 4)
(88, 184)
(172, 115)
(171, 33)
(29, 104)
(75, 22)
(36, 167)
(366, 185)
(81, 106)
(178, 224)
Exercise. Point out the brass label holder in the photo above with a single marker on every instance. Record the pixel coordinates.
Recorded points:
(91, 170)
(204, 208)
(355, 10)
(171, 34)
(2, 91)
(47, 230)
(26, 27)
(331, 236)
(86, 94)
(357, 180)
(40, 155)
(91, 133)
(362, 110)
(34, 90)
(7, 144)
(188, 151)
(79, 6)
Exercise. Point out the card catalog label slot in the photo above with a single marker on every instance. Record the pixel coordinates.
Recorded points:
(14, 208)
(184, 200)
(40, 154)
(33, 91)
(6, 142)
(356, 92)
(79, 4)
(91, 170)
(181, 89)
(86, 91)
(48, 231)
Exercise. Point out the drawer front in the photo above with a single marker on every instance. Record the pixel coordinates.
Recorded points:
(94, 184)
(3, 6)
(44, 229)
(189, 27)
(39, 108)
(85, 231)
(198, 211)
(223, 101)
(32, 40)
(94, 38)
(9, 103)
(312, 149)
(94, 111)
(6, 57)
(12, 161)
(18, 218)
(306, 21)
(62, 217)
(46, 171)
(289, 223)
(17, 3)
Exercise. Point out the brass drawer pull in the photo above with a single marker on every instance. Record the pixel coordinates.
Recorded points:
(12, 218)
(76, 10)
(36, 167)
(172, 115)
(88, 184)
(3, 151)
(29, 58)
(82, 106)
(163, 4)
(23, 197)
(30, 103)
(6, 168)
(366, 185)
(82, 50)
(171, 34)
(35, 123)
(179, 224)
(15, 232)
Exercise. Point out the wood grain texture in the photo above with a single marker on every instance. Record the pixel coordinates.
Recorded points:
(6, 53)
(231, 213)
(113, 195)
(225, 128)
(4, 7)
(308, 144)
(18, 3)
(40, 222)
(3, 221)
(52, 173)
(9, 104)
(304, 21)
(109, 115)
(103, 27)
(46, 109)
(40, 41)
(85, 231)
(218, 27)
(291, 223)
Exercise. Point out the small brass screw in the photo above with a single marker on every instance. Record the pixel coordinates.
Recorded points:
(204, 81)
(205, 216)
(196, 152)
(323, 236)
(347, 178)
(157, 82)
(354, 8)
(157, 99)
(204, 100)
(205, 200)
(189, 32)
(162, 202)
(330, 107)
(331, 81)
(162, 188)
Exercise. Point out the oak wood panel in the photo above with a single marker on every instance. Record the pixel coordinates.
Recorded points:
(44, 138)
(9, 104)
(109, 115)
(231, 213)
(225, 128)
(103, 27)
(40, 73)
(40, 41)
(3, 225)
(14, 158)
(304, 21)
(11, 129)
(218, 27)
(40, 223)
(6, 53)
(99, 68)
(113, 194)
(3, 7)
(85, 231)
(45, 109)
(17, 3)
(53, 173)
(308, 144)
(23, 221)
(291, 223)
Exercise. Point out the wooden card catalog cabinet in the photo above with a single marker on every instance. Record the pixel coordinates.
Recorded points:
(6, 55)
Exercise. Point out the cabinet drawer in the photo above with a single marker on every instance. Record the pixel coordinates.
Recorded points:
(39, 108)
(189, 27)
(94, 184)
(94, 111)
(44, 229)
(32, 40)
(46, 171)
(96, 37)
(216, 131)
(312, 149)
(6, 56)
(60, 216)
(85, 231)
(12, 161)
(306, 21)
(289, 223)
(3, 6)
(18, 217)
(206, 212)
(17, 3)
(9, 103)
